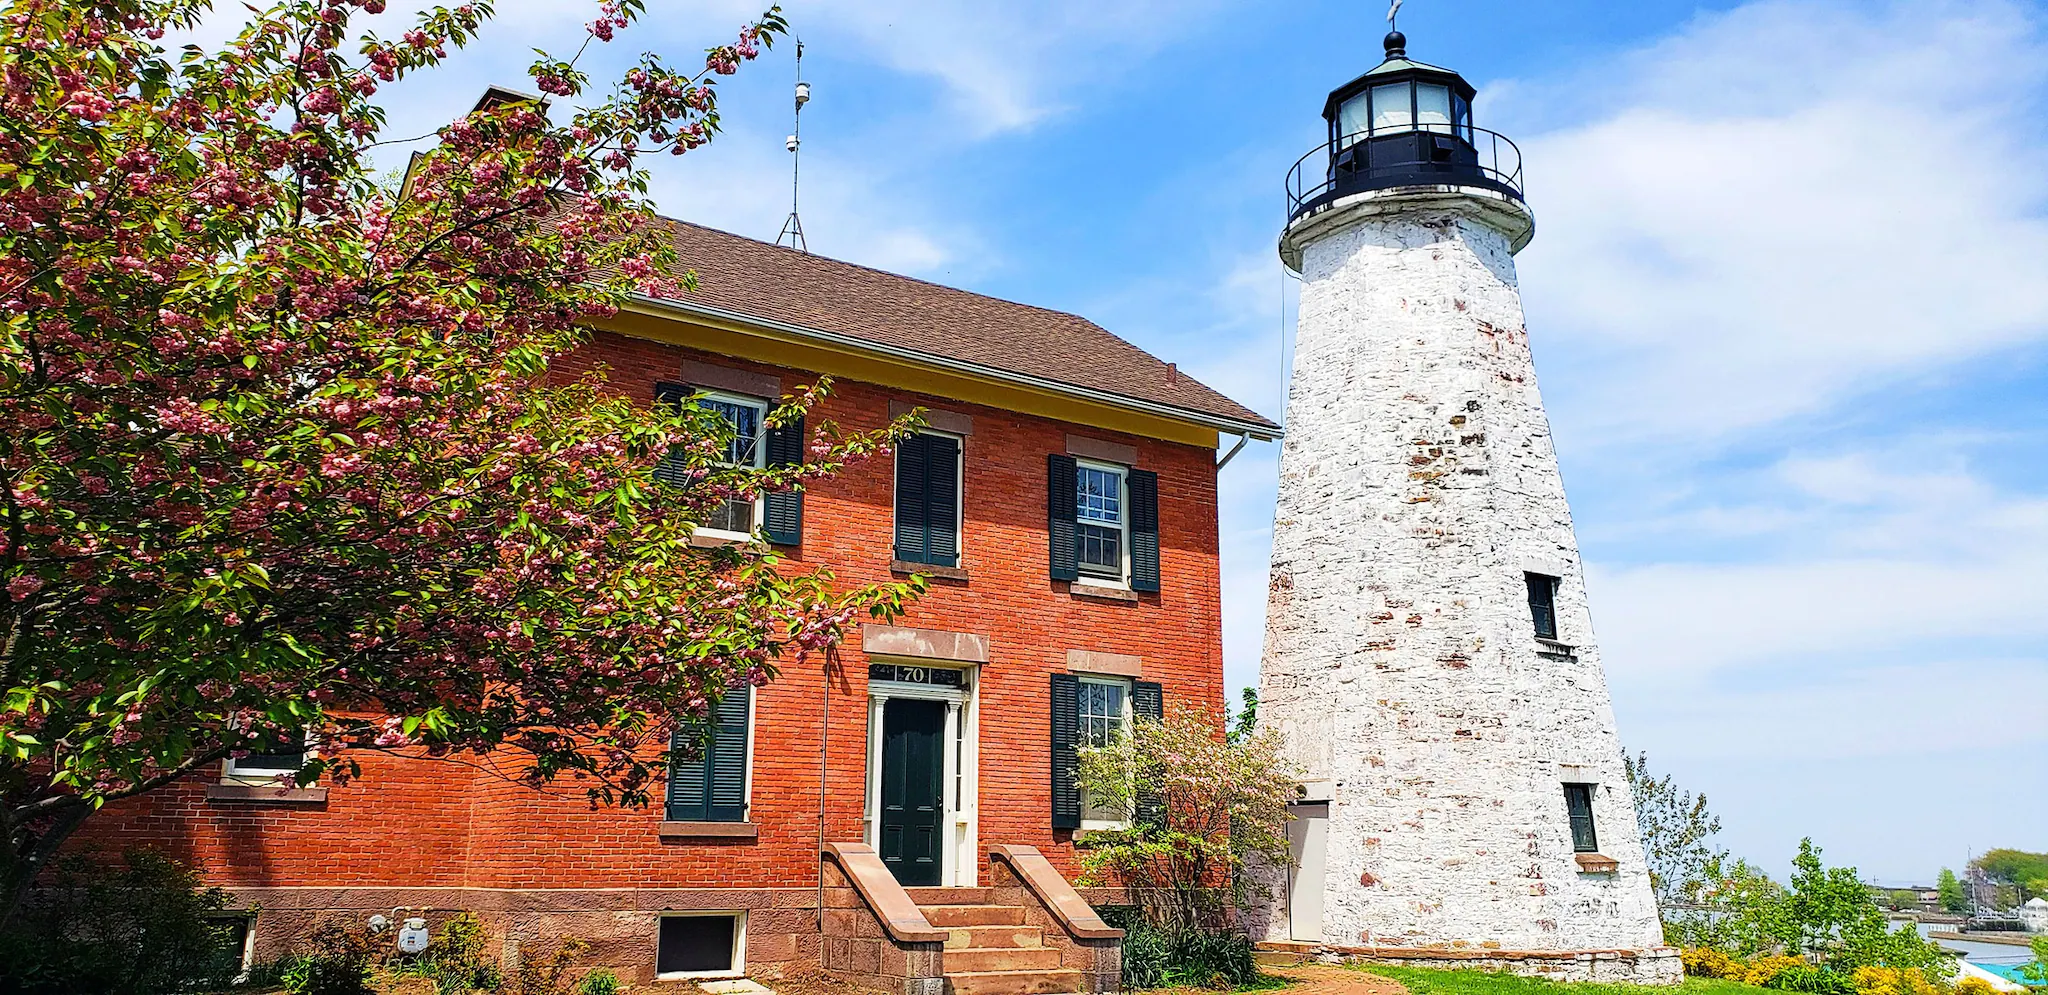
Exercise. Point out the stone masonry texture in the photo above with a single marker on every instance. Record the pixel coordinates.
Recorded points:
(1418, 483)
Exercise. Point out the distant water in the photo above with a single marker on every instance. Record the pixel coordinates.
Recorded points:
(1997, 958)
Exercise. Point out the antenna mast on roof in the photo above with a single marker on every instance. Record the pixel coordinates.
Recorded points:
(793, 228)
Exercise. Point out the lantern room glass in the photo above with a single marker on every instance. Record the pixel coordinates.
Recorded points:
(1392, 108)
(1433, 107)
(1353, 117)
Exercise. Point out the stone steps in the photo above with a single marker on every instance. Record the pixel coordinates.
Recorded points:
(948, 916)
(971, 960)
(1011, 982)
(990, 949)
(985, 937)
(950, 896)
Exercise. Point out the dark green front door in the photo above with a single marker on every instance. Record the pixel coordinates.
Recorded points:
(913, 789)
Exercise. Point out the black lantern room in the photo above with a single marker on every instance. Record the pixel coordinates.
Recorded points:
(1402, 124)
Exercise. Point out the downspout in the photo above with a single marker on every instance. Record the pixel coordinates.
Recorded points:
(824, 759)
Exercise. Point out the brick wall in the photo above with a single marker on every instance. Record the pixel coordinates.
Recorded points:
(412, 823)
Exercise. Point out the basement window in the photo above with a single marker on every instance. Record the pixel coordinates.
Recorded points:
(701, 945)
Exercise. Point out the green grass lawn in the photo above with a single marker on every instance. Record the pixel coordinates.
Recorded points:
(1429, 981)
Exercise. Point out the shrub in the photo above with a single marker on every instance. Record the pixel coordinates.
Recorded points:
(601, 981)
(1975, 986)
(1207, 807)
(337, 961)
(1706, 962)
(457, 960)
(1158, 956)
(1812, 980)
(549, 975)
(141, 925)
(1762, 970)
(1895, 981)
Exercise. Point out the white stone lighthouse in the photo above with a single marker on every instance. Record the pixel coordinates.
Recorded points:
(1429, 655)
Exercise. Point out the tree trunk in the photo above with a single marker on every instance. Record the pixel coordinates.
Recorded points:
(32, 841)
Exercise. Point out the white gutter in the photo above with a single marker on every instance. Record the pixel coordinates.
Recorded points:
(1232, 426)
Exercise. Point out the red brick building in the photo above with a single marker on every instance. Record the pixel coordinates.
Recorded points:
(1063, 501)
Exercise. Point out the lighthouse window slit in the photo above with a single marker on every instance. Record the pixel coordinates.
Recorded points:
(1578, 803)
(1543, 604)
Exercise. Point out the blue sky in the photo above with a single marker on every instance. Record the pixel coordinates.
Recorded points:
(1788, 297)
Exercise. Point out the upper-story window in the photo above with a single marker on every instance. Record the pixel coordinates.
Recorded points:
(1103, 526)
(928, 499)
(1099, 506)
(1543, 604)
(747, 418)
(274, 760)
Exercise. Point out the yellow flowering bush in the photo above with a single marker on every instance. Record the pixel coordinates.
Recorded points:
(1895, 981)
(1975, 986)
(1760, 971)
(1706, 962)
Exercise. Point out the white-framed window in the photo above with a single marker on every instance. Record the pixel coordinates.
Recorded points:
(747, 417)
(1104, 713)
(697, 944)
(1103, 522)
(269, 762)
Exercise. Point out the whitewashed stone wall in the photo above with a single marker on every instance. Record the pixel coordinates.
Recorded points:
(1418, 483)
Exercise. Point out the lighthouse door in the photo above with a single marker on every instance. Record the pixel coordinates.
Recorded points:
(1306, 836)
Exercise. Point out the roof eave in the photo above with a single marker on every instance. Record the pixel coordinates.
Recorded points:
(1260, 430)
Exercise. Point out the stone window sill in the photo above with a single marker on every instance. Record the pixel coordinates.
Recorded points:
(272, 793)
(713, 538)
(736, 831)
(1100, 593)
(1553, 648)
(1593, 863)
(928, 569)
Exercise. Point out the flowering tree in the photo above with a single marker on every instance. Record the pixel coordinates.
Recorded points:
(278, 450)
(1206, 808)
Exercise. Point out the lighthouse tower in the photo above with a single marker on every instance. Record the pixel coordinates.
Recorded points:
(1429, 656)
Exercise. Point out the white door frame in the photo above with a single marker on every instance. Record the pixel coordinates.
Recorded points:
(959, 858)
(1307, 842)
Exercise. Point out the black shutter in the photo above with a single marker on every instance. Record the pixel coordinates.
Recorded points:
(1148, 704)
(1144, 488)
(928, 500)
(1066, 760)
(727, 766)
(783, 515)
(1064, 541)
(942, 521)
(688, 757)
(707, 771)
(913, 543)
(670, 469)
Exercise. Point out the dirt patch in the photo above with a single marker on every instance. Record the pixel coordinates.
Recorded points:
(799, 980)
(1323, 979)
(1311, 979)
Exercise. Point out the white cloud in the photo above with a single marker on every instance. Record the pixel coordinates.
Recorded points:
(1790, 205)
(1007, 66)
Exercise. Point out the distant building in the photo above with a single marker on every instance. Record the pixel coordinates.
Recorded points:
(2035, 915)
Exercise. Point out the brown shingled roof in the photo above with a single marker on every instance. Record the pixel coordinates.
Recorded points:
(769, 282)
